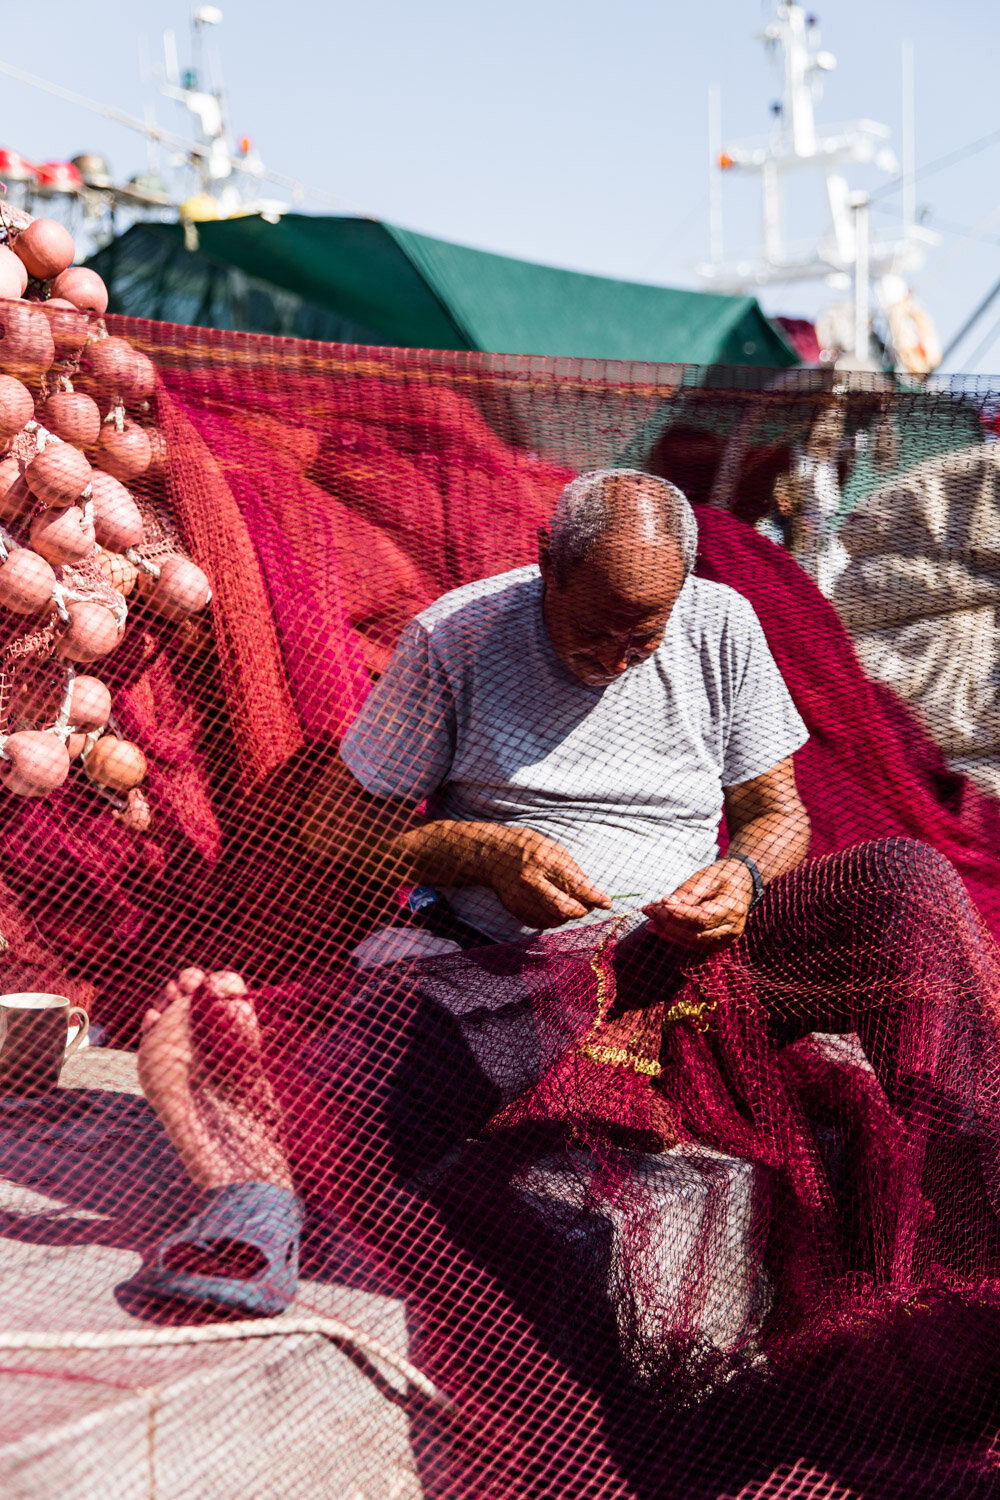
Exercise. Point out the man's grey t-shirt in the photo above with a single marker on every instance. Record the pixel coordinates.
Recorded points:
(476, 714)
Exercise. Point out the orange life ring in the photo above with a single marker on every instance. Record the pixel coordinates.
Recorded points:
(914, 337)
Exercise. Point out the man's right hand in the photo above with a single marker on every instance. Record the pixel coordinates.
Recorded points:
(536, 879)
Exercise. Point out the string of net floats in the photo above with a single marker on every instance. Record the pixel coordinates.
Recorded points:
(74, 541)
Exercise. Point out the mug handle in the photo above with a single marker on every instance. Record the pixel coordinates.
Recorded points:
(76, 1010)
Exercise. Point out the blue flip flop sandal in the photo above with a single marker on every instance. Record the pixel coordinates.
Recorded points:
(257, 1222)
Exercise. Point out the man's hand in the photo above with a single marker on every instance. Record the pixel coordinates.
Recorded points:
(767, 822)
(537, 881)
(709, 911)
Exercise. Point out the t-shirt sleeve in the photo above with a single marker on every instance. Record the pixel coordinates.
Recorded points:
(764, 724)
(402, 743)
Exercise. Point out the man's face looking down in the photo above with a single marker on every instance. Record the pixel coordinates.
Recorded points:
(611, 609)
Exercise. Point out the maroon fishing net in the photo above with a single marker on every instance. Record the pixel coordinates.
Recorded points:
(458, 1189)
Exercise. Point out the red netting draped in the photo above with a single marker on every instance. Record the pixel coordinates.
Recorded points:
(636, 1221)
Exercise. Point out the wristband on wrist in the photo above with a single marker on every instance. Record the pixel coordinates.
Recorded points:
(758, 882)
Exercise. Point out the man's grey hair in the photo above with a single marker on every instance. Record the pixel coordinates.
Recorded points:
(585, 512)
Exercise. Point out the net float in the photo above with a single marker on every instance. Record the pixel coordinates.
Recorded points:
(75, 744)
(26, 344)
(89, 704)
(72, 416)
(13, 276)
(46, 248)
(84, 288)
(68, 325)
(58, 475)
(16, 406)
(144, 388)
(63, 536)
(117, 518)
(91, 633)
(10, 473)
(125, 454)
(15, 497)
(35, 762)
(119, 370)
(116, 764)
(181, 590)
(26, 582)
(120, 572)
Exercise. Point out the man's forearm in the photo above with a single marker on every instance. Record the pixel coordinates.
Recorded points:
(775, 841)
(767, 821)
(378, 844)
(447, 853)
(442, 852)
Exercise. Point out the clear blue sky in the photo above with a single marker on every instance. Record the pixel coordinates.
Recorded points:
(572, 133)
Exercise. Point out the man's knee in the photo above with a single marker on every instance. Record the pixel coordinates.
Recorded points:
(911, 870)
(402, 1065)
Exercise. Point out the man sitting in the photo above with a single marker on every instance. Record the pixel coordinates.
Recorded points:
(577, 730)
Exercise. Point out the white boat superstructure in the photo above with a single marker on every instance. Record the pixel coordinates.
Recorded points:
(847, 254)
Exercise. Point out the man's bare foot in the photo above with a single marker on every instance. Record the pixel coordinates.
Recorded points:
(199, 1066)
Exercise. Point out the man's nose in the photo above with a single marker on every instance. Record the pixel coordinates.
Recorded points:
(615, 656)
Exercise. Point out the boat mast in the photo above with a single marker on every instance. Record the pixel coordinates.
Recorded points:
(846, 255)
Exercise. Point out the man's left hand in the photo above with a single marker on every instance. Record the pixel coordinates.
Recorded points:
(709, 911)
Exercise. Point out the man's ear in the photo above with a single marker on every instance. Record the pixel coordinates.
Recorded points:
(544, 554)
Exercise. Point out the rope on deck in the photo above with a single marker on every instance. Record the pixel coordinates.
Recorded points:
(213, 1333)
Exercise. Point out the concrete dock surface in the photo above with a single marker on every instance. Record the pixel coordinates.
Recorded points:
(88, 1180)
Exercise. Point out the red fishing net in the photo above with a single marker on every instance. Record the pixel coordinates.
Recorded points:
(502, 1206)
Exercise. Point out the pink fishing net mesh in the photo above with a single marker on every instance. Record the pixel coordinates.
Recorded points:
(583, 1213)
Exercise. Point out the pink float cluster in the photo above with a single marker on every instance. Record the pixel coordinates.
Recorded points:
(76, 429)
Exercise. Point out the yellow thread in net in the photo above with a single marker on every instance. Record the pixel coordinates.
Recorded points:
(616, 1057)
(622, 1057)
(691, 1010)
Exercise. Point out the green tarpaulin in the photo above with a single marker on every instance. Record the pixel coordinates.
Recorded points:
(361, 281)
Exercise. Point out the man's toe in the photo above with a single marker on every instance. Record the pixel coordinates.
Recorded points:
(226, 984)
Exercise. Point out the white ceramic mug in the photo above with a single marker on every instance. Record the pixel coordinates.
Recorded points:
(33, 1033)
